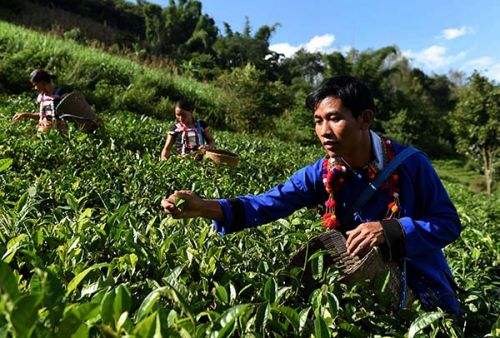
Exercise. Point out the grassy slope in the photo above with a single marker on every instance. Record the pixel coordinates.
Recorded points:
(110, 82)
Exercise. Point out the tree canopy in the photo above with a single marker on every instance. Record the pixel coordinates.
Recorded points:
(475, 122)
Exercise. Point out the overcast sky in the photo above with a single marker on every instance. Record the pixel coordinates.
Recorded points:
(436, 35)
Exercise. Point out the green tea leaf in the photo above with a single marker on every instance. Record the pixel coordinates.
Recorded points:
(262, 316)
(423, 321)
(82, 331)
(290, 314)
(5, 164)
(13, 246)
(320, 328)
(21, 202)
(228, 319)
(79, 278)
(146, 327)
(148, 304)
(270, 290)
(303, 318)
(72, 201)
(25, 314)
(180, 203)
(8, 282)
(333, 304)
(73, 322)
(107, 310)
(352, 330)
(122, 301)
(221, 294)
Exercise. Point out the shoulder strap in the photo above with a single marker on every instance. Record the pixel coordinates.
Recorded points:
(372, 187)
(59, 92)
(201, 132)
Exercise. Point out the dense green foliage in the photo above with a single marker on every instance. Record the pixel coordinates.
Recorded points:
(476, 122)
(178, 29)
(86, 251)
(109, 82)
(413, 107)
(120, 14)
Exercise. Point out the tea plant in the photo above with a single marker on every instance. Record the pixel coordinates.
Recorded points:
(86, 251)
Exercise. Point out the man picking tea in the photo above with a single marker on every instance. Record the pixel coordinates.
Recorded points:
(376, 191)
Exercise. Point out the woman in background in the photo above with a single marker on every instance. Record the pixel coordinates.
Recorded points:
(187, 134)
(48, 98)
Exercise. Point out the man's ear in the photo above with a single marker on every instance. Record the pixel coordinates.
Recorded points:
(366, 119)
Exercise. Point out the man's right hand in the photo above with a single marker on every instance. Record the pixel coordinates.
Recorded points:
(183, 204)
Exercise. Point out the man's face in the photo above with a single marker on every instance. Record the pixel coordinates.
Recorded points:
(183, 116)
(339, 132)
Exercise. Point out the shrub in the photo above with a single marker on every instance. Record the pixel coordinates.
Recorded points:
(74, 34)
(421, 129)
(259, 100)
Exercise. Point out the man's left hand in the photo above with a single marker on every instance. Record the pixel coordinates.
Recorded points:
(364, 237)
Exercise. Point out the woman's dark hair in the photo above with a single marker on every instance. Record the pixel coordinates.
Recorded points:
(354, 94)
(185, 105)
(40, 75)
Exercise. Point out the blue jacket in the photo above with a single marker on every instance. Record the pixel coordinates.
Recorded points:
(428, 220)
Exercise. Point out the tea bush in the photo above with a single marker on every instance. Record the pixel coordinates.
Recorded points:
(85, 250)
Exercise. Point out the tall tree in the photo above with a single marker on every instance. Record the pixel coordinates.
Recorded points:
(304, 67)
(375, 68)
(154, 27)
(179, 29)
(237, 49)
(475, 122)
(336, 64)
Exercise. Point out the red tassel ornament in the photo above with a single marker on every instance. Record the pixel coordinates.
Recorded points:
(334, 178)
(330, 221)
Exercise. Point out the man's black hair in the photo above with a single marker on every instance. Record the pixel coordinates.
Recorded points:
(40, 75)
(354, 94)
(185, 105)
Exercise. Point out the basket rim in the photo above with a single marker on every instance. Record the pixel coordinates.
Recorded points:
(221, 152)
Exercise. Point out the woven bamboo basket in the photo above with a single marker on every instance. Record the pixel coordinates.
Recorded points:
(353, 270)
(48, 125)
(45, 127)
(75, 104)
(74, 107)
(219, 156)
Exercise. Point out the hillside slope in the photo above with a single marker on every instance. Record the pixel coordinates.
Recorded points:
(109, 82)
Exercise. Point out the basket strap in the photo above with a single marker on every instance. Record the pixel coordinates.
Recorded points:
(64, 116)
(365, 197)
(373, 187)
(58, 97)
(403, 285)
(201, 134)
